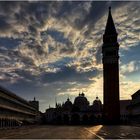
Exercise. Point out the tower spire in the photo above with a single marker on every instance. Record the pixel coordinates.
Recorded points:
(110, 27)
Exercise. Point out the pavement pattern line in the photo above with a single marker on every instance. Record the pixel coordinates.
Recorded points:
(95, 134)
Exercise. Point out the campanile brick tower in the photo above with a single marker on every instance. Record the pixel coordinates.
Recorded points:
(110, 48)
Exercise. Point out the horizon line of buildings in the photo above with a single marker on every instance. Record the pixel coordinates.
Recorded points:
(129, 110)
(16, 111)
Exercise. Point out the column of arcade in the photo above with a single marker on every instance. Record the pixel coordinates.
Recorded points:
(9, 122)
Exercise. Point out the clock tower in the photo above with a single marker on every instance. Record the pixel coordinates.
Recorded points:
(110, 48)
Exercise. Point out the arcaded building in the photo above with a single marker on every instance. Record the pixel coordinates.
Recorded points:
(79, 112)
(15, 111)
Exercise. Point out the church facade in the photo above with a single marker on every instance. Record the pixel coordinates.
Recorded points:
(79, 112)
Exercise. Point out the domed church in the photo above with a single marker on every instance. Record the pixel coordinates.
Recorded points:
(79, 112)
(81, 102)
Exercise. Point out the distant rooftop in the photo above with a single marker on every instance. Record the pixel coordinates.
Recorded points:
(137, 93)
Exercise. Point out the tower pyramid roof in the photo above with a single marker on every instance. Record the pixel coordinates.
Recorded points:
(110, 26)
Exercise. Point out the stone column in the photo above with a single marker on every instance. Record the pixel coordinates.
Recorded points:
(12, 122)
(0, 122)
(8, 122)
(3, 122)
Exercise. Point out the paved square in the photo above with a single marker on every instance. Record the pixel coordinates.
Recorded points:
(71, 132)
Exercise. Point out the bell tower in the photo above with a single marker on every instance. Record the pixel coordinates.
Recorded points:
(110, 48)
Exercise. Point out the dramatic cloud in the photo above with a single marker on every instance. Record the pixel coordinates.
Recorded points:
(53, 49)
(132, 66)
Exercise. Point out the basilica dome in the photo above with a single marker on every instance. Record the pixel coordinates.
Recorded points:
(81, 102)
(68, 102)
(97, 101)
(97, 105)
(67, 105)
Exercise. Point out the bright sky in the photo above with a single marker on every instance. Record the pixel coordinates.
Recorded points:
(53, 49)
